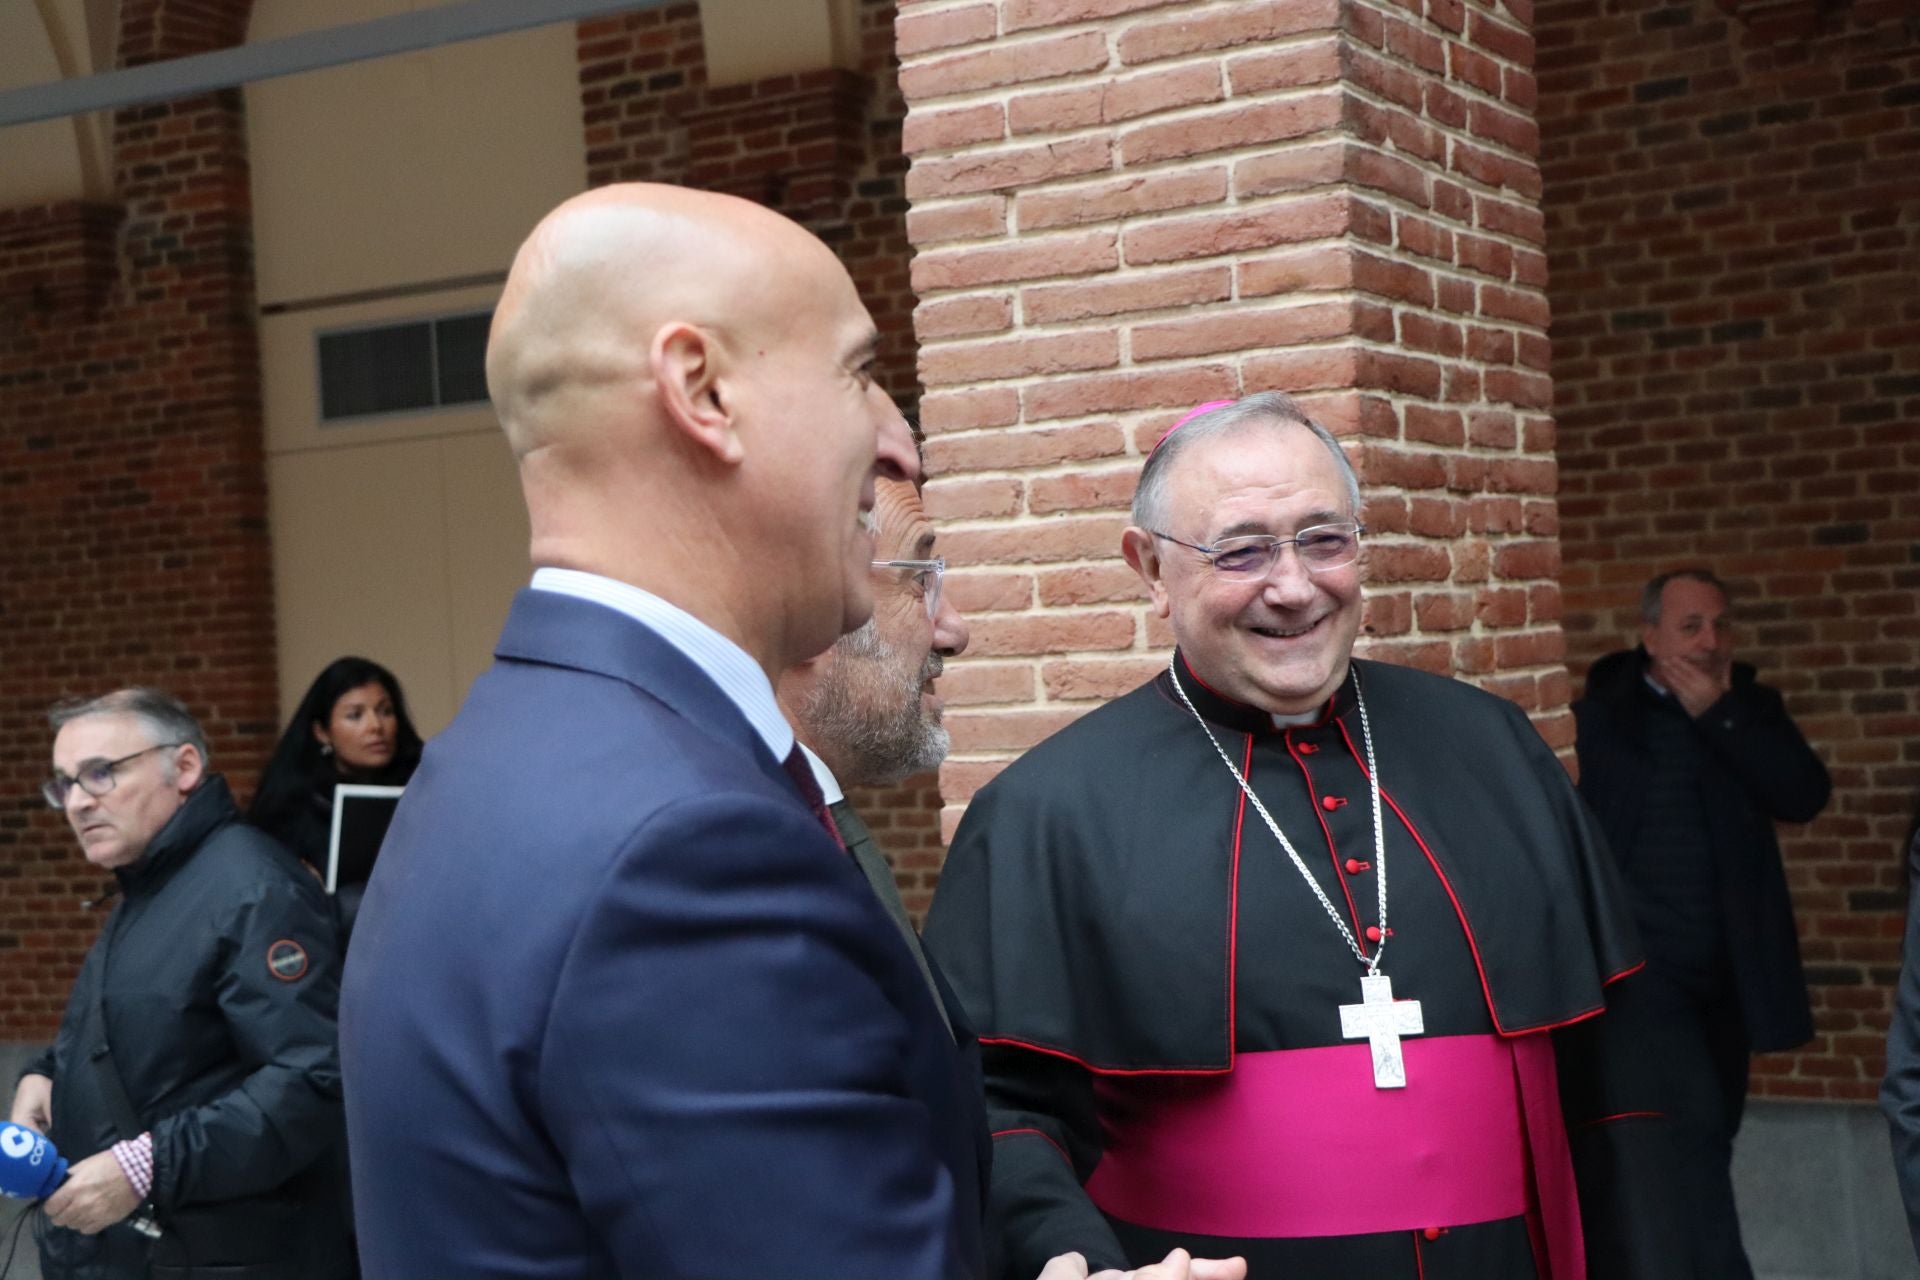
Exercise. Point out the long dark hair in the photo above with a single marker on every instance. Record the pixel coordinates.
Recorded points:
(298, 781)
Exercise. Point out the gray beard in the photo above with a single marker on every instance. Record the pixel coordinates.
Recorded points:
(866, 712)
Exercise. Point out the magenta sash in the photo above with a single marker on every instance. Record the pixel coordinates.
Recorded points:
(1301, 1143)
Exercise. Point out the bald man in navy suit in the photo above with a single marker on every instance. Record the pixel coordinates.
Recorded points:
(620, 1003)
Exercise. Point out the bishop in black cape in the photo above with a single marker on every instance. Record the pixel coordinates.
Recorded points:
(1126, 933)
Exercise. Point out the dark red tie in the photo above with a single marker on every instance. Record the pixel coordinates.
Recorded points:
(802, 774)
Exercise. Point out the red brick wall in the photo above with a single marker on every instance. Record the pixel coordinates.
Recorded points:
(823, 148)
(1736, 295)
(133, 530)
(1125, 207)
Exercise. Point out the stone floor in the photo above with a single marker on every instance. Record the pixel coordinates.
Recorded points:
(1817, 1195)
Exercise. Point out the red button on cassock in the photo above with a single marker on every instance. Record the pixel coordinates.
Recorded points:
(1332, 802)
(1307, 748)
(1434, 1233)
(1373, 933)
(1355, 866)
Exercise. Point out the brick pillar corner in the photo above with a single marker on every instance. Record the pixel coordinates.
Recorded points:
(1124, 207)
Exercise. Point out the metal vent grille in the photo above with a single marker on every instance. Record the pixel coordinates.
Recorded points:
(403, 368)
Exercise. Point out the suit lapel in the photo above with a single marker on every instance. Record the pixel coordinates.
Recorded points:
(873, 864)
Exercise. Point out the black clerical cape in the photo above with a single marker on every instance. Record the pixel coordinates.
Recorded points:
(1159, 993)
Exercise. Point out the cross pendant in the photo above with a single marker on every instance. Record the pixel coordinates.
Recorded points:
(1382, 1020)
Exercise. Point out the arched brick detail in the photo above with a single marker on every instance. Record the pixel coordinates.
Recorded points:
(155, 30)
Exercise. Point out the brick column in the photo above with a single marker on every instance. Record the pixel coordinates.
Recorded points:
(133, 545)
(1125, 207)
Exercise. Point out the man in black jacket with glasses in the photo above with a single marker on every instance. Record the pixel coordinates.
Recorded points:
(195, 1081)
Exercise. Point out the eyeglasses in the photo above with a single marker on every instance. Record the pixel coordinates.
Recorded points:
(1320, 547)
(96, 777)
(926, 576)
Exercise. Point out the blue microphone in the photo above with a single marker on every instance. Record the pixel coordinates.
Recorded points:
(30, 1169)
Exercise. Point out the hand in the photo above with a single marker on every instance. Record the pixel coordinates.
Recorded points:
(1178, 1265)
(1696, 688)
(33, 1104)
(95, 1195)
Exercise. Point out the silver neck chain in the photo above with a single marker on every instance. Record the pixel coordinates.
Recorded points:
(1379, 837)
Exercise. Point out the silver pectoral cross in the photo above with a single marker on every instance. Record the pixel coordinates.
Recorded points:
(1382, 1020)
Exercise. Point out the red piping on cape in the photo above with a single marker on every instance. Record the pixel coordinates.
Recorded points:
(1472, 942)
(1084, 1065)
(1584, 1125)
(1627, 972)
(1042, 1134)
(1233, 902)
(1420, 1263)
(1313, 803)
(1202, 683)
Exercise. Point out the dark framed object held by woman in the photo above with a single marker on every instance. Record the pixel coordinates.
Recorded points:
(352, 726)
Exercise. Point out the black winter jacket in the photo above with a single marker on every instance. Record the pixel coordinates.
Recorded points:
(1756, 769)
(214, 986)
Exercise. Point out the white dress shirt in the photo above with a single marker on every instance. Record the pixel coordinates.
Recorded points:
(829, 785)
(723, 661)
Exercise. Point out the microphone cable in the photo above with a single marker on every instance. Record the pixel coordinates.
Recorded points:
(13, 1237)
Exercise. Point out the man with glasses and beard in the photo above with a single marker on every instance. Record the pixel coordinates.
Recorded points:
(865, 711)
(866, 715)
(1209, 1018)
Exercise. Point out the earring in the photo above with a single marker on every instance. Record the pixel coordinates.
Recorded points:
(326, 748)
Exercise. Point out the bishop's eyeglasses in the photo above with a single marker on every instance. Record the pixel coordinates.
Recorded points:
(1320, 547)
(96, 777)
(926, 576)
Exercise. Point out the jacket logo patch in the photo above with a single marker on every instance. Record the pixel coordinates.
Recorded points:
(287, 960)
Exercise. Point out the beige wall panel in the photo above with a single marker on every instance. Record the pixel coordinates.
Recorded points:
(272, 19)
(750, 40)
(487, 536)
(416, 168)
(290, 375)
(39, 163)
(360, 566)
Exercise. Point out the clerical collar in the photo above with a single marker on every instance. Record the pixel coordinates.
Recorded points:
(1230, 713)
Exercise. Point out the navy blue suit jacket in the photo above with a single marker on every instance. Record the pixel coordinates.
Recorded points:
(617, 1005)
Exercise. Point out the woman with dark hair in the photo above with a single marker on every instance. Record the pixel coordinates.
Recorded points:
(352, 726)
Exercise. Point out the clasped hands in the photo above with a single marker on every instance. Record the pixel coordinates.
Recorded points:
(1178, 1265)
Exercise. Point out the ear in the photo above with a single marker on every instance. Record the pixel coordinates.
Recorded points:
(686, 362)
(189, 768)
(321, 736)
(1142, 553)
(1646, 637)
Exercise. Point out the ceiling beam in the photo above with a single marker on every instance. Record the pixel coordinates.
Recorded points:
(291, 55)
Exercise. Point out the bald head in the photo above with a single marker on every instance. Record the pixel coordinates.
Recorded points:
(601, 276)
(685, 380)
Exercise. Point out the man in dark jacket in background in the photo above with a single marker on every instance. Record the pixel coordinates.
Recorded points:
(195, 1082)
(1688, 761)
